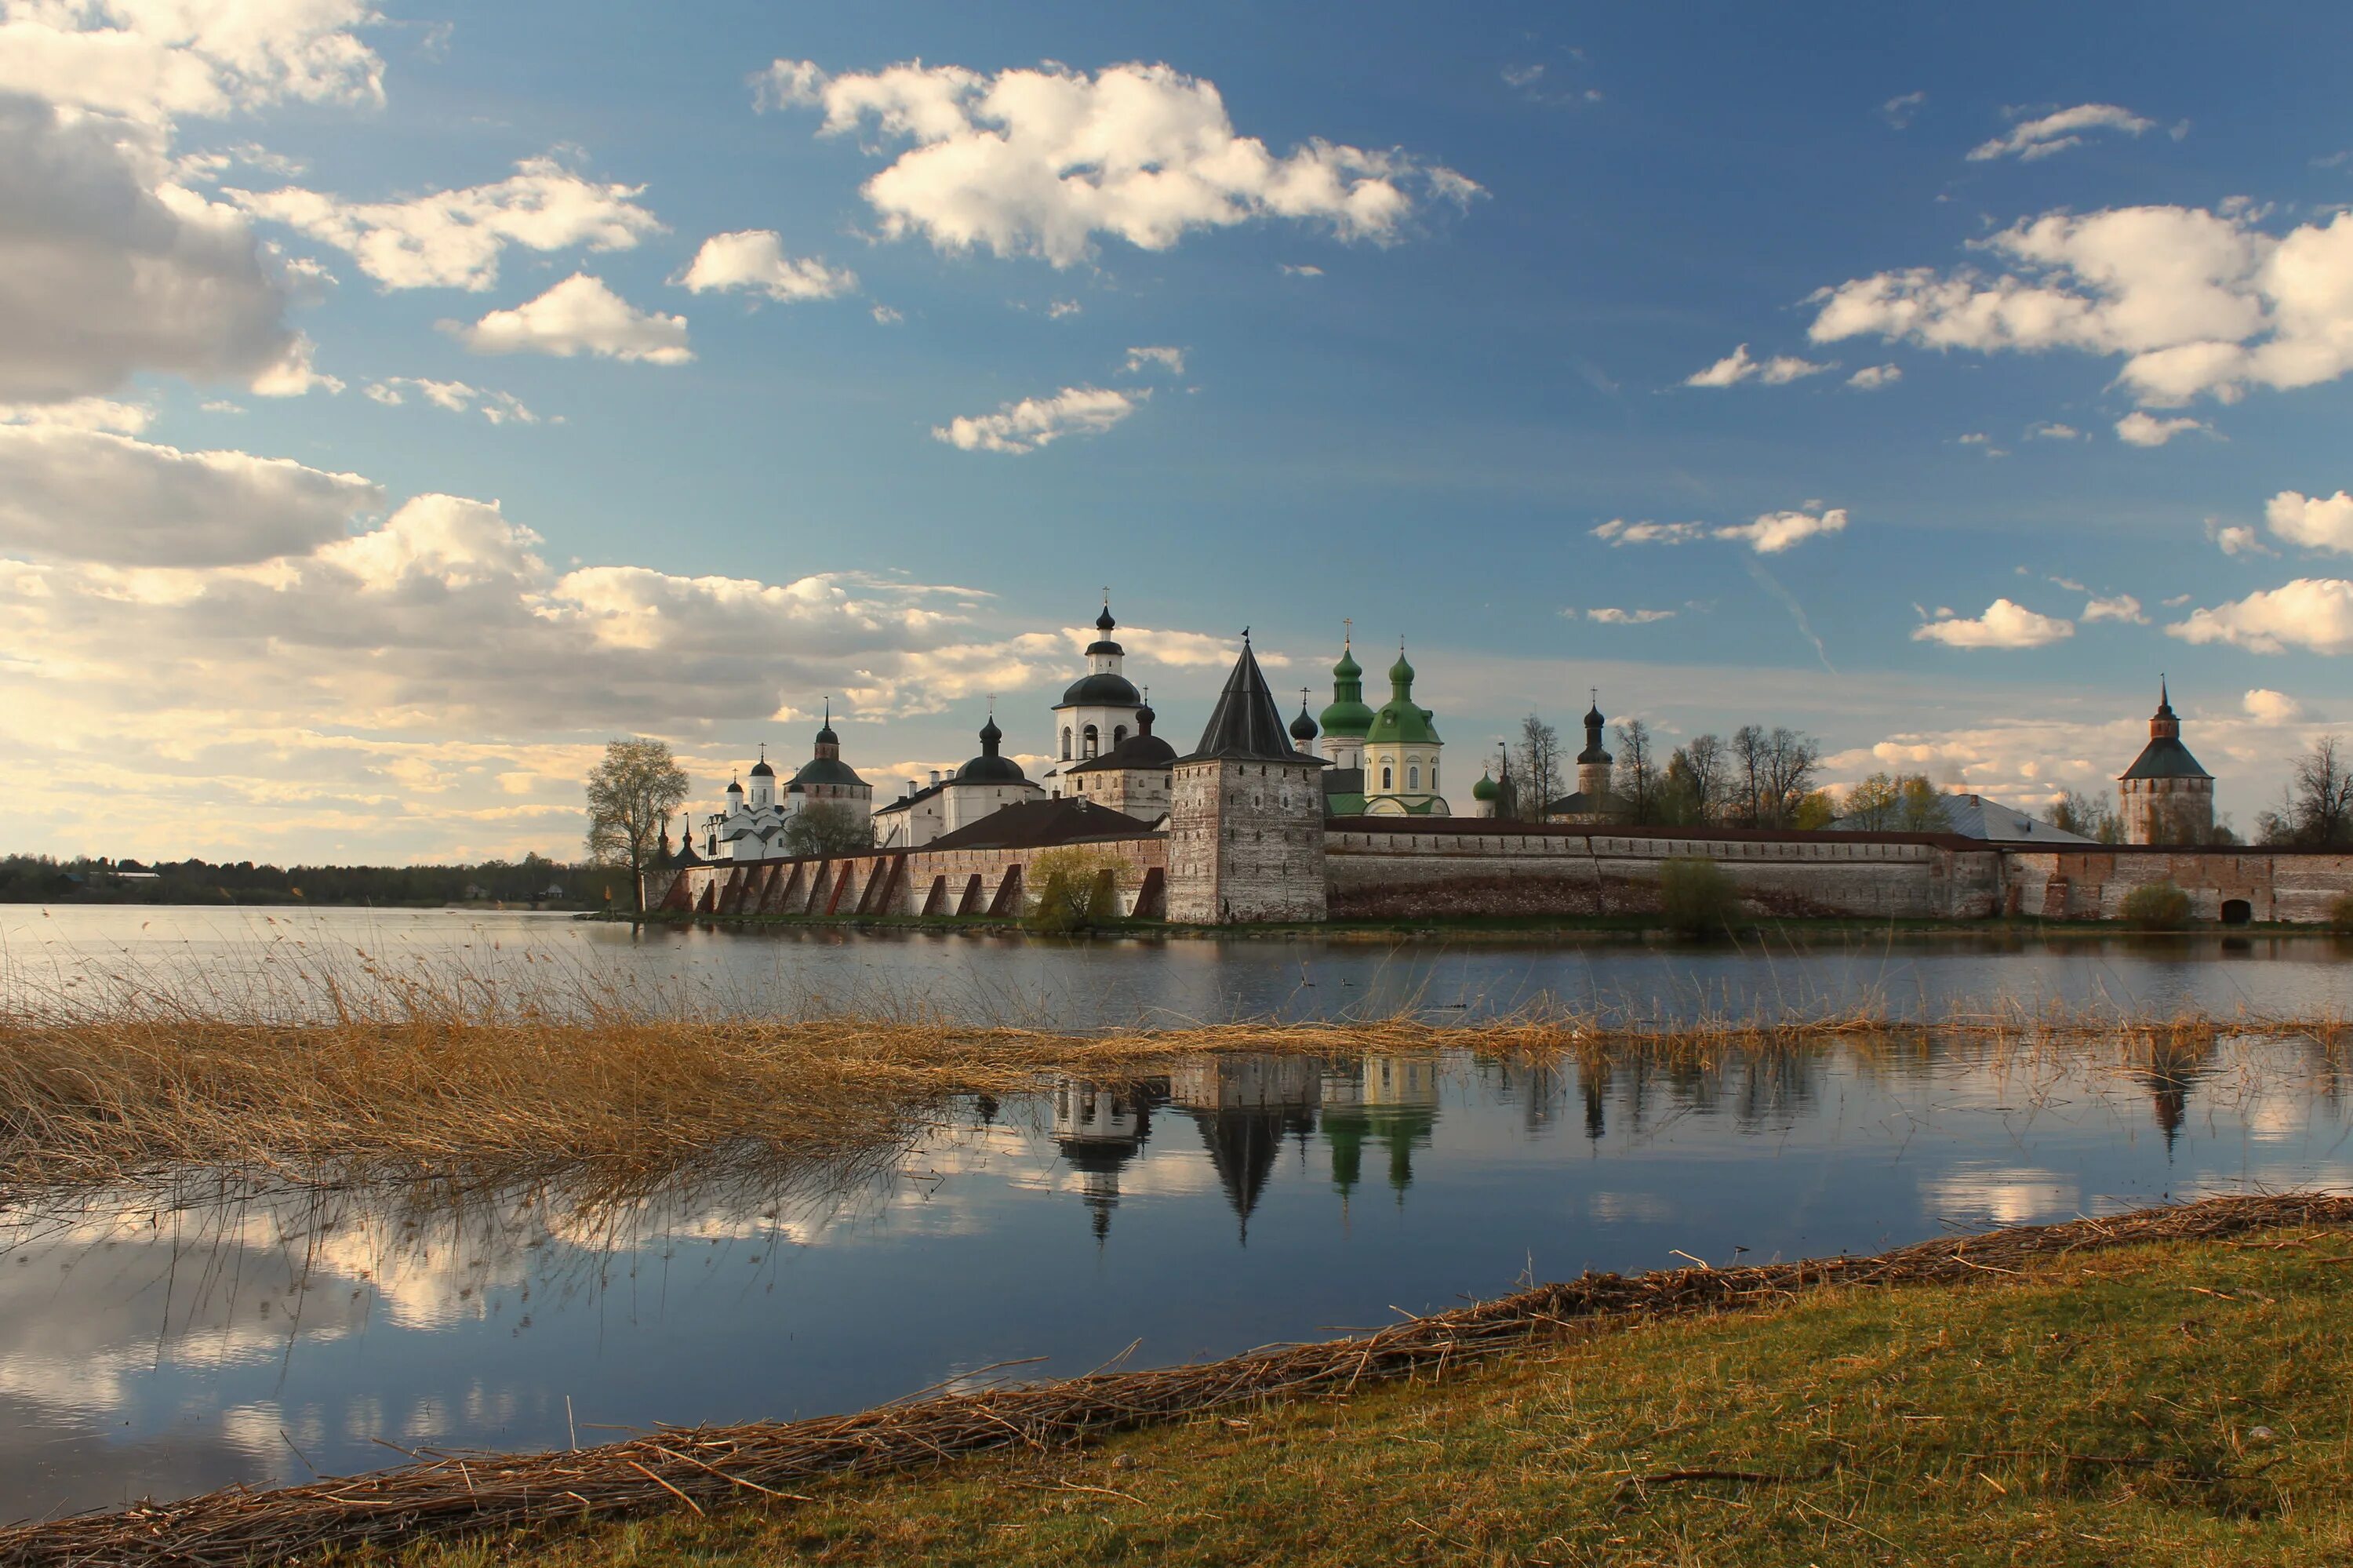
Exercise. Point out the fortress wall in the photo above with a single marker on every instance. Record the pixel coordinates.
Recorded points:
(1383, 875)
(2092, 884)
(785, 886)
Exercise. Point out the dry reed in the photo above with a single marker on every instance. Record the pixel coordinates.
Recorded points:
(472, 1085)
(761, 1464)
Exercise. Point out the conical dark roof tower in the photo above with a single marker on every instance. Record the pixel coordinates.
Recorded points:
(1246, 726)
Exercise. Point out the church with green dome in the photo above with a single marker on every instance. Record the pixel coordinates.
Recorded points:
(1385, 761)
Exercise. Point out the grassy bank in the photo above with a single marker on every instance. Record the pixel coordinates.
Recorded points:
(2173, 1403)
(2167, 1386)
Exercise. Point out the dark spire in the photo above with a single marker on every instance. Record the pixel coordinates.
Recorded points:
(1246, 723)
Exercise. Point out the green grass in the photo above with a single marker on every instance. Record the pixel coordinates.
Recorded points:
(2108, 1409)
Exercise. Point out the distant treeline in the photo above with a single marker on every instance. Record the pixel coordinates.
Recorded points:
(40, 879)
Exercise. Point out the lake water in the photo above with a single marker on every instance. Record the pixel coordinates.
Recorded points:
(1084, 984)
(160, 1342)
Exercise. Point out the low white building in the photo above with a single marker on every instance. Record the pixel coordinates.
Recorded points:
(751, 827)
(987, 783)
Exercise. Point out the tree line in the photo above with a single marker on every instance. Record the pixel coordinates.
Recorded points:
(1756, 777)
(46, 879)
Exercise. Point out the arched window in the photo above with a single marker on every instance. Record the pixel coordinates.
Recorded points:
(1433, 775)
(1091, 739)
(1118, 734)
(1389, 781)
(1066, 743)
(1413, 777)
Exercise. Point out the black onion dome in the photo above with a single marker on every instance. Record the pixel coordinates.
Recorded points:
(1101, 691)
(989, 767)
(735, 786)
(1303, 729)
(761, 769)
(1104, 623)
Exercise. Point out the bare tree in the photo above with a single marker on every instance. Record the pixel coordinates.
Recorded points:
(1747, 772)
(1637, 780)
(631, 794)
(1538, 766)
(1788, 760)
(2093, 816)
(2317, 806)
(1710, 763)
(828, 827)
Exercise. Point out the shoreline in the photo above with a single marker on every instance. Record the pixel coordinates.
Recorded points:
(1629, 931)
(757, 1472)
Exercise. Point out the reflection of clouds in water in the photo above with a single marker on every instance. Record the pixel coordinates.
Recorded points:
(2004, 1196)
(2281, 1176)
(1618, 1208)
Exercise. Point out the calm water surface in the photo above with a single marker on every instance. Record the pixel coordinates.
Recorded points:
(159, 1342)
(1085, 984)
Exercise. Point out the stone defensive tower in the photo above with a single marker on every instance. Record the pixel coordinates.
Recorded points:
(2165, 797)
(1246, 814)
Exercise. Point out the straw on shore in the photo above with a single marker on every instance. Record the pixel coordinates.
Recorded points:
(761, 1464)
(477, 1092)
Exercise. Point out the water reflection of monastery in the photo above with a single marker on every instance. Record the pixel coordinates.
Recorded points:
(1383, 1108)
(1246, 1108)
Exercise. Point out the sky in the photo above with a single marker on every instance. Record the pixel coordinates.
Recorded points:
(397, 403)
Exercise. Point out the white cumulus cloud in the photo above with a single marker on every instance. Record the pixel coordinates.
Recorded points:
(2311, 613)
(2121, 607)
(2266, 706)
(79, 494)
(581, 315)
(2144, 429)
(162, 59)
(755, 259)
(1171, 360)
(1769, 535)
(1041, 161)
(2197, 303)
(1778, 531)
(457, 397)
(2315, 522)
(454, 238)
(1611, 615)
(1034, 422)
(107, 268)
(2005, 624)
(2055, 132)
(1737, 366)
(1872, 377)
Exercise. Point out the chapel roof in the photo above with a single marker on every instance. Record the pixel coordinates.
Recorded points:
(1043, 824)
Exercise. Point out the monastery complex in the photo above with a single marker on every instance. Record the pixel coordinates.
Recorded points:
(1341, 815)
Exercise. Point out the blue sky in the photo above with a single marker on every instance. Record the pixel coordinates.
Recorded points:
(1929, 379)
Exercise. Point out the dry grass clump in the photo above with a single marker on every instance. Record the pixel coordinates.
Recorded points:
(354, 1077)
(706, 1468)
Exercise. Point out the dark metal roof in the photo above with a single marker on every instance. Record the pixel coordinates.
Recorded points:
(1104, 690)
(1043, 824)
(2165, 758)
(991, 766)
(1246, 724)
(827, 770)
(1136, 751)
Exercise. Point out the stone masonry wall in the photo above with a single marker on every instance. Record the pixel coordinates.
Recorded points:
(1576, 870)
(902, 882)
(1246, 842)
(2092, 884)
